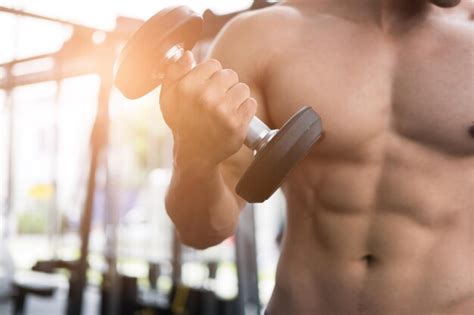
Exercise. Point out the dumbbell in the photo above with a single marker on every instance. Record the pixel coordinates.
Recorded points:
(141, 67)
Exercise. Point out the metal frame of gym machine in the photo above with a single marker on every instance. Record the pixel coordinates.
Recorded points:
(80, 56)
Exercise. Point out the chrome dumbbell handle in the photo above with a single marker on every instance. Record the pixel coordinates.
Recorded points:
(259, 134)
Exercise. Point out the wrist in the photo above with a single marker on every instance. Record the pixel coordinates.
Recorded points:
(189, 162)
(186, 156)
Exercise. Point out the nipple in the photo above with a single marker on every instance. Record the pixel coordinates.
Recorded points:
(446, 3)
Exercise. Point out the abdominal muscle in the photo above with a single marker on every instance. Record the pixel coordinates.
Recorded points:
(377, 236)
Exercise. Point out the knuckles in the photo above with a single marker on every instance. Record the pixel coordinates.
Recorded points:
(210, 98)
(186, 87)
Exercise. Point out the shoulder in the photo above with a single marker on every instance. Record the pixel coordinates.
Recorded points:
(260, 24)
(251, 38)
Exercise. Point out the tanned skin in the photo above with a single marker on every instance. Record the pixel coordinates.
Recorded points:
(381, 212)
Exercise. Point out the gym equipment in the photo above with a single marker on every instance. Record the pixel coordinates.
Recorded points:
(200, 301)
(7, 269)
(33, 283)
(23, 290)
(246, 262)
(162, 40)
(127, 295)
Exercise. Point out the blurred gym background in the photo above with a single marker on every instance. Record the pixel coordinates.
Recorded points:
(83, 172)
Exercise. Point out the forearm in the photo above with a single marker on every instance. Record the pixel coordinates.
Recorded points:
(203, 208)
(208, 110)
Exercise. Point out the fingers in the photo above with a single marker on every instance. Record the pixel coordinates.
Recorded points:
(207, 87)
(204, 71)
(236, 101)
(223, 90)
(224, 79)
(237, 95)
(195, 82)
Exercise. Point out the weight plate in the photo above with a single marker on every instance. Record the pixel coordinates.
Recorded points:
(274, 161)
(145, 52)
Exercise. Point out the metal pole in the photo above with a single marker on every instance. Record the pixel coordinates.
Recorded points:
(113, 285)
(9, 169)
(176, 259)
(246, 260)
(99, 137)
(55, 215)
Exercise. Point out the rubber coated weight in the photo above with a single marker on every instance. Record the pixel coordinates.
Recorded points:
(274, 161)
(143, 59)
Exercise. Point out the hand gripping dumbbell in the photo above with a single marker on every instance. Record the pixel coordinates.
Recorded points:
(141, 67)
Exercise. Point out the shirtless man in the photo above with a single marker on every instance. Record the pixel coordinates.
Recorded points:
(381, 212)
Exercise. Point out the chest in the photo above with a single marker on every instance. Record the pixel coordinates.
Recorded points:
(364, 89)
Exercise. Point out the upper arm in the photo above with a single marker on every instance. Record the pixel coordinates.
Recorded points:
(236, 47)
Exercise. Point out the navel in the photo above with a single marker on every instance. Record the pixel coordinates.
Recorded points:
(470, 130)
(369, 260)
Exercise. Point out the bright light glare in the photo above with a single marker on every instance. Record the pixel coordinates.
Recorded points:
(102, 14)
(99, 37)
(38, 65)
(24, 37)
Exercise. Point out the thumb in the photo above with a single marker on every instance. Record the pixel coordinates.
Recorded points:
(179, 69)
(174, 72)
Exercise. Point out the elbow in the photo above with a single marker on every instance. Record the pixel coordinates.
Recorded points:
(198, 233)
(201, 242)
(198, 236)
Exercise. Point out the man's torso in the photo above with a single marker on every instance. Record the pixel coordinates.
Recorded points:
(381, 212)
